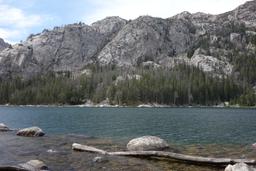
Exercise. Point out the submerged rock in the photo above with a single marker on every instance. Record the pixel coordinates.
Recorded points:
(3, 127)
(31, 132)
(239, 167)
(34, 165)
(254, 145)
(99, 159)
(146, 143)
(51, 151)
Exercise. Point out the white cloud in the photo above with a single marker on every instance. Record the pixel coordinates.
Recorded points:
(9, 35)
(14, 16)
(17, 23)
(14, 22)
(131, 9)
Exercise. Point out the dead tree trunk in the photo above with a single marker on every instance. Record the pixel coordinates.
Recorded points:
(164, 154)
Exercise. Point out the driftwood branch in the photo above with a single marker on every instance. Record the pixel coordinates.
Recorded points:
(163, 154)
(79, 147)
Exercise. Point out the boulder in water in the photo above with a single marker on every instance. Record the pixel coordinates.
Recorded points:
(3, 127)
(147, 143)
(31, 132)
(239, 167)
(100, 159)
(34, 165)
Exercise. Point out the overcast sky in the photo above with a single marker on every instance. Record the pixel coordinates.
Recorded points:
(19, 18)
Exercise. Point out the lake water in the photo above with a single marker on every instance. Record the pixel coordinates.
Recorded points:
(176, 125)
(214, 132)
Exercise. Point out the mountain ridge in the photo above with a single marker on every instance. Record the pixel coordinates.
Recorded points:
(133, 43)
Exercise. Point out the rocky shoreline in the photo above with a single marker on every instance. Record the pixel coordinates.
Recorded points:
(136, 106)
(56, 153)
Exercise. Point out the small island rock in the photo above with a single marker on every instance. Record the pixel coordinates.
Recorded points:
(147, 143)
(3, 127)
(239, 167)
(34, 165)
(31, 132)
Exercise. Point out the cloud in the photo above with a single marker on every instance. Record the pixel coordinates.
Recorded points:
(131, 9)
(9, 35)
(14, 22)
(14, 16)
(19, 18)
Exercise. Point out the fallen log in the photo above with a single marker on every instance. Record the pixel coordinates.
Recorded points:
(80, 147)
(182, 157)
(165, 154)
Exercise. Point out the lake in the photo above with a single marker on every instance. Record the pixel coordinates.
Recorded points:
(214, 132)
(176, 125)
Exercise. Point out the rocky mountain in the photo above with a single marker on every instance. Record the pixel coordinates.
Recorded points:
(210, 42)
(3, 44)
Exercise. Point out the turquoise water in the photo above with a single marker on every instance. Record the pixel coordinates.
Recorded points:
(177, 125)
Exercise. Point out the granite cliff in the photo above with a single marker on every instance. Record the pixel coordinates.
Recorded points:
(211, 42)
(3, 44)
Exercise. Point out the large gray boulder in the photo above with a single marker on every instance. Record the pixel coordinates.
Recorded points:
(147, 143)
(3, 127)
(34, 165)
(31, 132)
(239, 167)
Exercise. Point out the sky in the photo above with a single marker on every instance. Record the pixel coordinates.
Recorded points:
(20, 18)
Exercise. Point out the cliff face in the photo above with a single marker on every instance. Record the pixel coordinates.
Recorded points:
(3, 44)
(68, 48)
(204, 40)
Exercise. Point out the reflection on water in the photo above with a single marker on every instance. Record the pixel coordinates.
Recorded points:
(56, 152)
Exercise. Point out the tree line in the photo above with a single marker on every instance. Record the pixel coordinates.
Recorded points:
(181, 85)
